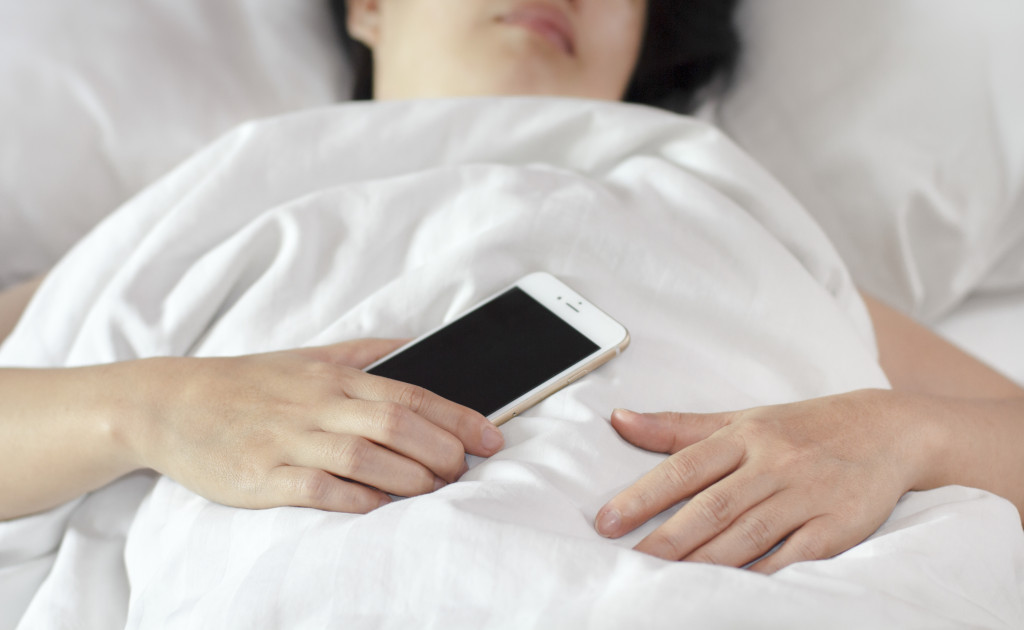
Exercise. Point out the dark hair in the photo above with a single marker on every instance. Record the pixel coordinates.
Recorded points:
(688, 44)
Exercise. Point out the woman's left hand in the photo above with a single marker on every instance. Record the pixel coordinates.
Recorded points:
(822, 474)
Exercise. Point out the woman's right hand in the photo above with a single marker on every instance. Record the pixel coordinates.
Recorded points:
(303, 428)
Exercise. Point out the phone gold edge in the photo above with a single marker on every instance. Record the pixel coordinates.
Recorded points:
(561, 383)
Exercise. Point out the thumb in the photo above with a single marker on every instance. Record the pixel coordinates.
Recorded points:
(357, 353)
(666, 432)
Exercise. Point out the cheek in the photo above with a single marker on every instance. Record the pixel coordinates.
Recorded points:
(615, 38)
(419, 31)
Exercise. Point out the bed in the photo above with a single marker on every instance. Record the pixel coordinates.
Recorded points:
(736, 286)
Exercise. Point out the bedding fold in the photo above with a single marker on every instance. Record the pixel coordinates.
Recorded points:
(388, 219)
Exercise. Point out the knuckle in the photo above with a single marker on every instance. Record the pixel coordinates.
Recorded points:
(252, 478)
(681, 470)
(468, 426)
(714, 508)
(756, 428)
(352, 454)
(413, 482)
(411, 397)
(672, 417)
(860, 510)
(804, 548)
(321, 372)
(643, 498)
(669, 545)
(453, 454)
(705, 556)
(390, 420)
(424, 482)
(313, 488)
(757, 532)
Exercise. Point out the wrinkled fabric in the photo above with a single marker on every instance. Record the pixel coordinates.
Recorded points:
(897, 124)
(102, 98)
(389, 219)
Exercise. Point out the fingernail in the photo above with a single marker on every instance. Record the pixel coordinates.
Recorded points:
(439, 483)
(492, 439)
(625, 415)
(608, 522)
(465, 469)
(384, 500)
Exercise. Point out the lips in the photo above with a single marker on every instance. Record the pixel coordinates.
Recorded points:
(545, 20)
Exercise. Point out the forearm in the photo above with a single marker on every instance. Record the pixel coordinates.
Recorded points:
(977, 443)
(968, 417)
(915, 359)
(13, 302)
(63, 434)
(303, 427)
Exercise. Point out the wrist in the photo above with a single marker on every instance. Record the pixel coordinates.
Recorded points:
(69, 431)
(932, 442)
(114, 401)
(134, 400)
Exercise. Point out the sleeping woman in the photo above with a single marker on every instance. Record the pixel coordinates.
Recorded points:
(308, 428)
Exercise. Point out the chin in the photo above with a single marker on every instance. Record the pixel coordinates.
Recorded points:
(521, 64)
(523, 82)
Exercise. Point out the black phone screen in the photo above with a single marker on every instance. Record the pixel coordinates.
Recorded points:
(492, 355)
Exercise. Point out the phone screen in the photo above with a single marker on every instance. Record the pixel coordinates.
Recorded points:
(492, 355)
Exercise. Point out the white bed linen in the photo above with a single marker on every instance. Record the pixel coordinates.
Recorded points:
(387, 219)
(897, 124)
(102, 98)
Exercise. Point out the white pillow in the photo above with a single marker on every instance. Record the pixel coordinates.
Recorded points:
(900, 125)
(100, 98)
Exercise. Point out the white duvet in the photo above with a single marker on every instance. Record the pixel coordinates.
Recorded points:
(387, 219)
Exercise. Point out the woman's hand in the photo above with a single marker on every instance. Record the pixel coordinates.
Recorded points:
(303, 428)
(822, 474)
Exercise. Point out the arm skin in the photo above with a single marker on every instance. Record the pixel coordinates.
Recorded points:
(980, 438)
(13, 302)
(303, 427)
(824, 474)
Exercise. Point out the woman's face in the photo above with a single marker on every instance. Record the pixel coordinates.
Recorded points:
(424, 48)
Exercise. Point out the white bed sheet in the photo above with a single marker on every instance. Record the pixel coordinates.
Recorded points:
(386, 219)
(897, 124)
(102, 98)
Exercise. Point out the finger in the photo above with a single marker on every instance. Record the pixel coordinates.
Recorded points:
(682, 475)
(476, 432)
(709, 516)
(403, 431)
(359, 459)
(820, 538)
(357, 353)
(753, 533)
(666, 432)
(313, 488)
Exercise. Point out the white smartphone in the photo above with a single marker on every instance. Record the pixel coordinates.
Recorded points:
(510, 351)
